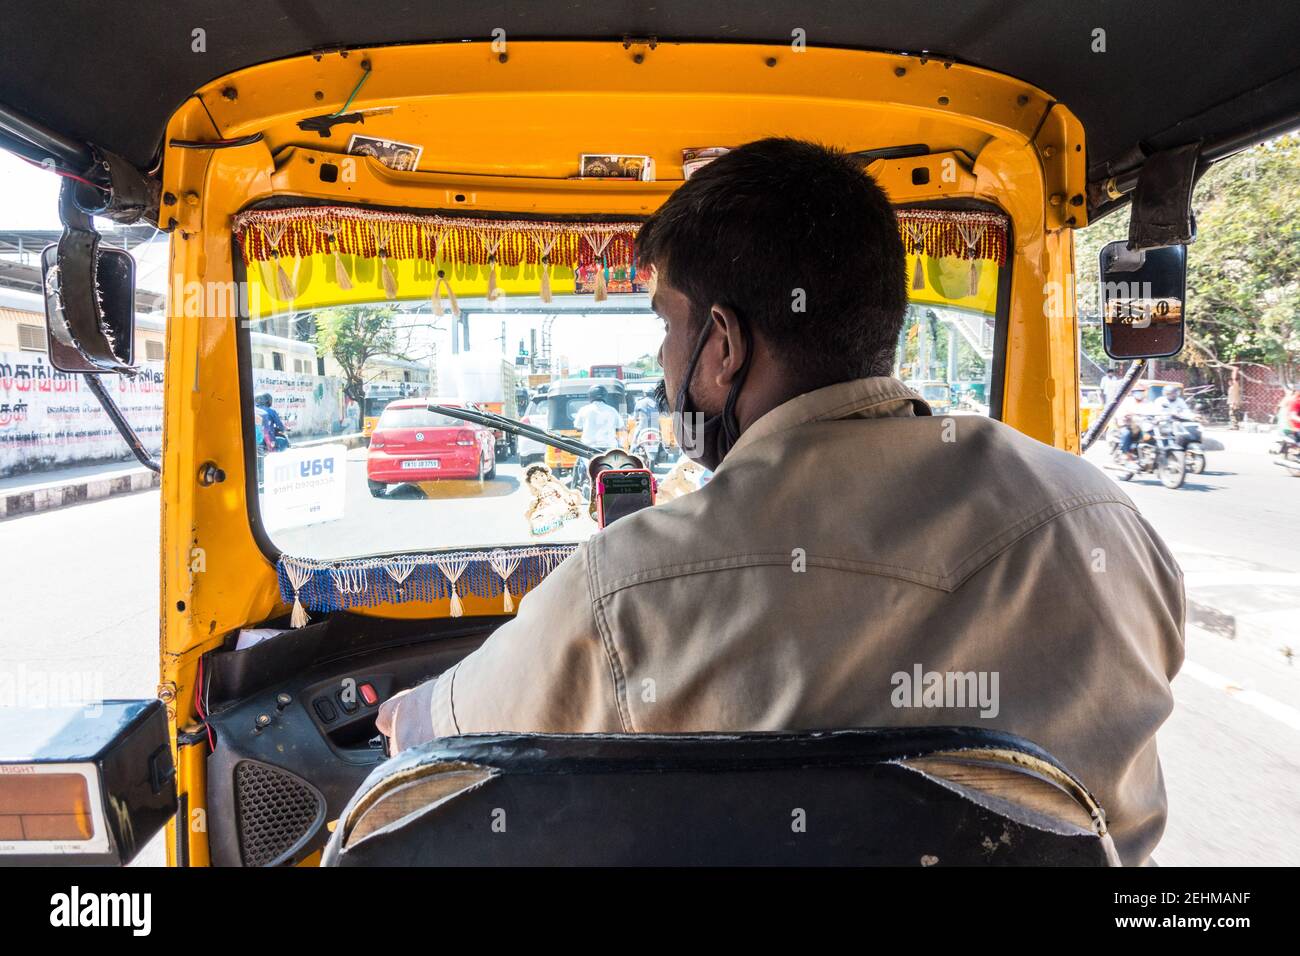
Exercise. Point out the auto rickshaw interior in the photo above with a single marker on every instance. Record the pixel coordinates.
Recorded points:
(436, 190)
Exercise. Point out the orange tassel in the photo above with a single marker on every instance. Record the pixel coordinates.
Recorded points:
(282, 280)
(341, 273)
(390, 280)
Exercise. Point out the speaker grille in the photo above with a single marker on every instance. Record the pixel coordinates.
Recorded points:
(277, 812)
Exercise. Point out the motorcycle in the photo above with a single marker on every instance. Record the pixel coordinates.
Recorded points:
(1187, 434)
(1288, 449)
(647, 444)
(1157, 453)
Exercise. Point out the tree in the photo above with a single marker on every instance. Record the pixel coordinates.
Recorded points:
(353, 335)
(1243, 275)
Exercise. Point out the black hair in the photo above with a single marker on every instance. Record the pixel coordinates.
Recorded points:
(801, 243)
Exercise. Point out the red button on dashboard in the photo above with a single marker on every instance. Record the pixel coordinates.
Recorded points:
(368, 694)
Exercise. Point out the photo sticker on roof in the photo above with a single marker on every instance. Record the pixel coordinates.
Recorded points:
(403, 157)
(617, 166)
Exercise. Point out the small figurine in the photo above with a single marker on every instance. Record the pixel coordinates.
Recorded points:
(552, 504)
(686, 476)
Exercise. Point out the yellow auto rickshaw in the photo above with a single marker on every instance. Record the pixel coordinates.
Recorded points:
(423, 177)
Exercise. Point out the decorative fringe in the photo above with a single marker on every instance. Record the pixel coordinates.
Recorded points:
(504, 564)
(965, 235)
(299, 576)
(271, 234)
(324, 586)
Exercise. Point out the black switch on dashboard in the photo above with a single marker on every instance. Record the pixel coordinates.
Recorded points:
(324, 709)
(348, 701)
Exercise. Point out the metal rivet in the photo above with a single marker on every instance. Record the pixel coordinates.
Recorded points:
(943, 101)
(230, 93)
(900, 71)
(770, 61)
(1022, 100)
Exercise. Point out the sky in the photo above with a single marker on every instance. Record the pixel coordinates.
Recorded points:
(29, 199)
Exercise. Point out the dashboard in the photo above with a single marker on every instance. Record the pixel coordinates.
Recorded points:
(293, 723)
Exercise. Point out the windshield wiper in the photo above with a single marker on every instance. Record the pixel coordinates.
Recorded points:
(493, 420)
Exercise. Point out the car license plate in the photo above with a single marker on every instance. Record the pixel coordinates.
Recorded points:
(424, 463)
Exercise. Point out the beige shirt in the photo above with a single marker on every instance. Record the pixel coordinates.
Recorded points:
(846, 549)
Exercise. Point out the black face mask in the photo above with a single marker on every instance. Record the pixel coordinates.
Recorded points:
(706, 440)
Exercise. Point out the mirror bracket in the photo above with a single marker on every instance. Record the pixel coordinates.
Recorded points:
(1162, 202)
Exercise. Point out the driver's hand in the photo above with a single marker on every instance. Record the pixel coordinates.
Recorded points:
(387, 719)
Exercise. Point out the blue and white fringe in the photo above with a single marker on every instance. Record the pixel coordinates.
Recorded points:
(311, 584)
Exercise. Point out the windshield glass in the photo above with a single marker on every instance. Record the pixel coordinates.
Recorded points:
(349, 460)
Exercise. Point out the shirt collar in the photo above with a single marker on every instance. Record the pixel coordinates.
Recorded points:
(879, 397)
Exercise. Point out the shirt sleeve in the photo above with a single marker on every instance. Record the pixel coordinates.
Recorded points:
(547, 671)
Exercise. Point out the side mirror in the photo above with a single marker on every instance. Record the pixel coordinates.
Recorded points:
(90, 337)
(1142, 294)
(83, 785)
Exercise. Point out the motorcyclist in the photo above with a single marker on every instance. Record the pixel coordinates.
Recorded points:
(273, 427)
(599, 422)
(1288, 414)
(1171, 402)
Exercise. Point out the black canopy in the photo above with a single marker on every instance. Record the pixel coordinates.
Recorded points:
(1173, 71)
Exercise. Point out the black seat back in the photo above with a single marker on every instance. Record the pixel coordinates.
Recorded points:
(946, 795)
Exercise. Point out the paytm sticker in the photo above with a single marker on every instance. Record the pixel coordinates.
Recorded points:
(303, 486)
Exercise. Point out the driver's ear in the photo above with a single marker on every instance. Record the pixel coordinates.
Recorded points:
(734, 347)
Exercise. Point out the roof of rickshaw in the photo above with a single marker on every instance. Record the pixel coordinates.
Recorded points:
(1172, 71)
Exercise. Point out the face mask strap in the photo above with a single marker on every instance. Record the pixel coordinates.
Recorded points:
(729, 423)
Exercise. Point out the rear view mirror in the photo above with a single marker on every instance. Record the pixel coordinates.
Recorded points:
(1142, 294)
(90, 334)
(83, 785)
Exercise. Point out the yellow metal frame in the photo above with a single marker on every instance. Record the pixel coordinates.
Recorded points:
(503, 134)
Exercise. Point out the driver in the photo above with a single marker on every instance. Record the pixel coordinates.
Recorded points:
(598, 420)
(854, 561)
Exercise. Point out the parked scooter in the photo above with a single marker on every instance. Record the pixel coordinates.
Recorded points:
(1156, 452)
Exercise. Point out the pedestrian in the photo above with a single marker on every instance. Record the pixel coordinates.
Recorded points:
(1234, 399)
(1110, 386)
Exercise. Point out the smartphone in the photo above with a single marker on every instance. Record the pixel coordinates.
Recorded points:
(619, 492)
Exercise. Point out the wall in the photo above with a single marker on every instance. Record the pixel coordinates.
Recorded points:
(50, 419)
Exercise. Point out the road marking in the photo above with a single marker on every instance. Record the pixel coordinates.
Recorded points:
(1261, 702)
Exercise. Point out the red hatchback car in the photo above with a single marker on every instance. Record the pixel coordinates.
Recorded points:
(411, 443)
